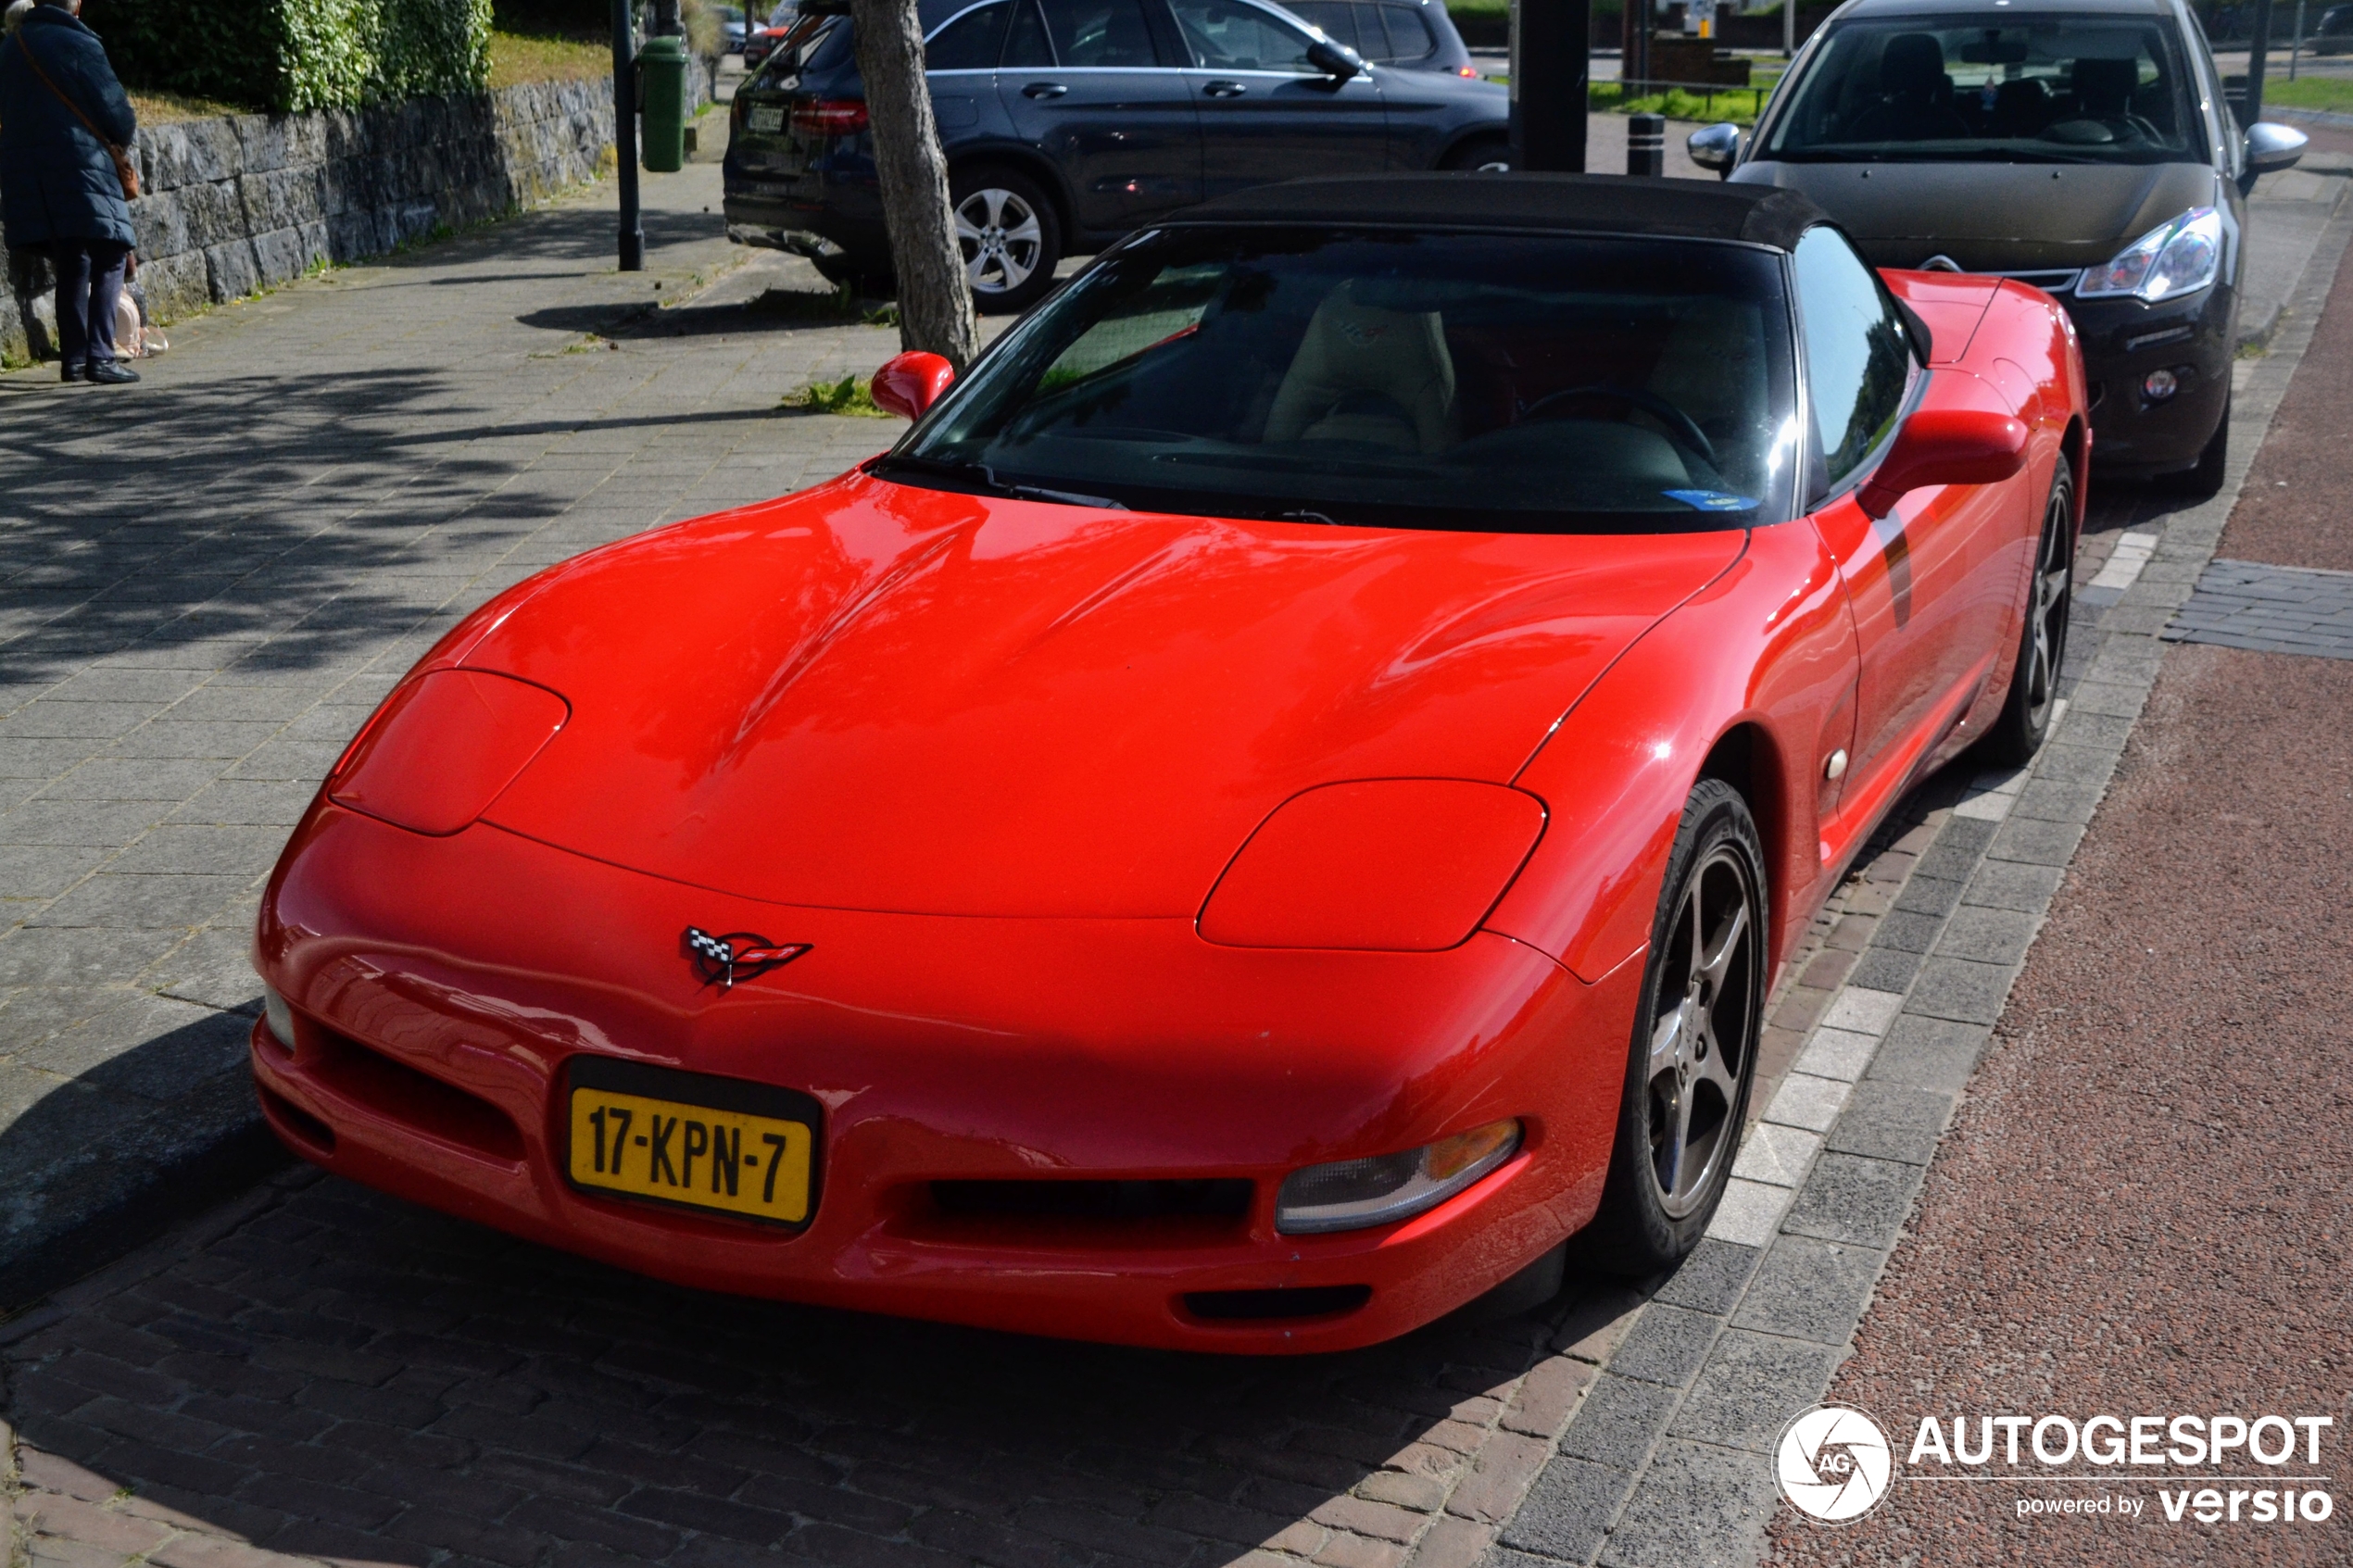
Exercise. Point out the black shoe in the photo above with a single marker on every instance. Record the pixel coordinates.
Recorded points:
(72, 372)
(111, 373)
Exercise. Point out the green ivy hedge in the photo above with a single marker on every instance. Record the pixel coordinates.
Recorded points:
(289, 55)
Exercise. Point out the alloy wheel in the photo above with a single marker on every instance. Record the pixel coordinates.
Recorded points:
(1703, 1035)
(2048, 611)
(1000, 239)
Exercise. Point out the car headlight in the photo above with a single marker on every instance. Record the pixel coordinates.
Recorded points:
(444, 747)
(1397, 865)
(1349, 1195)
(2171, 259)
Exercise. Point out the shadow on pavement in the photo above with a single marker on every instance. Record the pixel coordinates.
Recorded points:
(776, 310)
(129, 1146)
(345, 1373)
(250, 508)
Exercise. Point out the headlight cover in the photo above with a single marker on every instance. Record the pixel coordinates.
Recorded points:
(2170, 260)
(1386, 865)
(442, 746)
(1351, 1195)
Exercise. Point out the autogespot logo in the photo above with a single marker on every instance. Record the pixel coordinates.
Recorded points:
(1832, 1463)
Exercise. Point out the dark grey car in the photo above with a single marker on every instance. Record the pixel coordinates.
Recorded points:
(1068, 124)
(2083, 147)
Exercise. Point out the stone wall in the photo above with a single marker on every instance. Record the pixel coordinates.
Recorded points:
(245, 202)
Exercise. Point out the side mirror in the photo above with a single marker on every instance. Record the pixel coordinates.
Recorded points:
(911, 382)
(1335, 60)
(1944, 446)
(1717, 147)
(2270, 148)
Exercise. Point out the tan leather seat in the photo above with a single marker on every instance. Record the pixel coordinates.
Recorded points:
(1367, 374)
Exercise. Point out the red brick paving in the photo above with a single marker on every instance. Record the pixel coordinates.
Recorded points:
(2143, 1207)
(2293, 510)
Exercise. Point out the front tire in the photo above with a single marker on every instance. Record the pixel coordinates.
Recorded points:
(1009, 236)
(1693, 1059)
(2018, 735)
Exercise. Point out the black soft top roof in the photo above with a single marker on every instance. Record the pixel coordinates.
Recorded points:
(1579, 204)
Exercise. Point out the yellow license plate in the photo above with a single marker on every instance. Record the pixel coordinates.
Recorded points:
(707, 1157)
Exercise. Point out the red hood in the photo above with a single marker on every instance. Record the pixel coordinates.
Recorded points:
(881, 697)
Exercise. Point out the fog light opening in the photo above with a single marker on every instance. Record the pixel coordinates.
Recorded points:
(279, 1017)
(2158, 385)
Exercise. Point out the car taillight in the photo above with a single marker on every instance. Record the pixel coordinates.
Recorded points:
(830, 117)
(1471, 71)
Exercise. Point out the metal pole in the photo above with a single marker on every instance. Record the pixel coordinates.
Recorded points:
(624, 136)
(1789, 29)
(2256, 49)
(1551, 58)
(2296, 47)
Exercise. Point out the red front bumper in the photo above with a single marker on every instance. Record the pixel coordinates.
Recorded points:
(441, 985)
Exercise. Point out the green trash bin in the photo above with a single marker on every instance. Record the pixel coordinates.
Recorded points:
(661, 100)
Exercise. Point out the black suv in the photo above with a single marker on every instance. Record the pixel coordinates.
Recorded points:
(1069, 122)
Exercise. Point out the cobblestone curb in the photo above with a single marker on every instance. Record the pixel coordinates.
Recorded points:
(1665, 1462)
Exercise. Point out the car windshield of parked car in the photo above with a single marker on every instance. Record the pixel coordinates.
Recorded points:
(2048, 87)
(1480, 383)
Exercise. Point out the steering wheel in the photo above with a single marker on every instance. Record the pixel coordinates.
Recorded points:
(1679, 423)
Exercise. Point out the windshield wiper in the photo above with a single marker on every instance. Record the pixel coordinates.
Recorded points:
(966, 468)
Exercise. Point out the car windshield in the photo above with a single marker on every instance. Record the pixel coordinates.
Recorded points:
(2048, 87)
(1478, 383)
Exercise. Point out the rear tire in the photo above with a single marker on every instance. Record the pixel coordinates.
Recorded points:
(2018, 735)
(1693, 1059)
(1490, 153)
(1009, 236)
(2205, 479)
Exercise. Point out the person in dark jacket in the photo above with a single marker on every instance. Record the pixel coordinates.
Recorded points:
(59, 190)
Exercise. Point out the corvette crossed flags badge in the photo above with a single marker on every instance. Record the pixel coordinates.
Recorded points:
(738, 955)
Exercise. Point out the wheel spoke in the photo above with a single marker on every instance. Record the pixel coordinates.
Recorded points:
(966, 229)
(996, 202)
(1718, 958)
(1666, 1046)
(1714, 1069)
(1677, 1181)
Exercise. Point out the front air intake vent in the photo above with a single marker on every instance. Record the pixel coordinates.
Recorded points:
(392, 1089)
(1225, 1199)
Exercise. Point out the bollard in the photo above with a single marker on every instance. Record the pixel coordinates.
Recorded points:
(1647, 144)
(662, 65)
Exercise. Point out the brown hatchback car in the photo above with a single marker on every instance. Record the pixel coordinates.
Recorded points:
(2083, 147)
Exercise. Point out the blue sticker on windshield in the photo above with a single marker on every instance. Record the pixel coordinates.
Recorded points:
(1710, 500)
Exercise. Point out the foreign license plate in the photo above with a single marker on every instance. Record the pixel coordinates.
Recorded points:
(765, 117)
(721, 1143)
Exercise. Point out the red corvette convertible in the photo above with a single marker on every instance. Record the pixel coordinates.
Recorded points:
(1273, 806)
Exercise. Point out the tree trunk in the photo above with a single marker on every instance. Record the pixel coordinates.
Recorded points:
(934, 300)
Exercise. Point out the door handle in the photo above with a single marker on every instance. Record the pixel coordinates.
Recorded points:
(1044, 89)
(1223, 89)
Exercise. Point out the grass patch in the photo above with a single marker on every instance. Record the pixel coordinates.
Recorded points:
(848, 395)
(2310, 91)
(166, 108)
(1738, 105)
(518, 57)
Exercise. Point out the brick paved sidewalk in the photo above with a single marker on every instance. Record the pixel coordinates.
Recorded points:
(209, 579)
